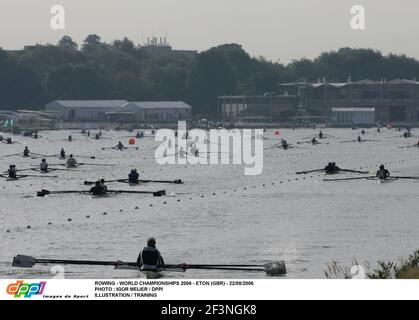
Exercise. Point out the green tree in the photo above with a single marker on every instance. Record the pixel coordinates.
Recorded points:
(67, 43)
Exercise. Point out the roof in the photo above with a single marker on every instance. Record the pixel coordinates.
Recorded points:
(344, 84)
(160, 105)
(89, 103)
(353, 109)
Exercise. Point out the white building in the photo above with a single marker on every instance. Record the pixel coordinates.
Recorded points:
(159, 111)
(351, 116)
(121, 110)
(85, 110)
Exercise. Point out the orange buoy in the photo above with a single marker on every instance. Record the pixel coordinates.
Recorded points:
(131, 141)
(277, 133)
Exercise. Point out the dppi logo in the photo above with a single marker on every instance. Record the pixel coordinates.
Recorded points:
(27, 290)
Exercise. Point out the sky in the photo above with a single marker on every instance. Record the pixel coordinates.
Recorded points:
(279, 30)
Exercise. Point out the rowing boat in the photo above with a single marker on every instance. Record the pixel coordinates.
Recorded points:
(151, 274)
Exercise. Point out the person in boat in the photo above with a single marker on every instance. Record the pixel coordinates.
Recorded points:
(70, 138)
(321, 135)
(363, 132)
(150, 257)
(71, 162)
(102, 182)
(284, 144)
(182, 152)
(138, 136)
(9, 141)
(314, 141)
(97, 136)
(26, 152)
(43, 166)
(331, 168)
(99, 189)
(383, 173)
(120, 146)
(359, 139)
(88, 133)
(12, 172)
(133, 176)
(35, 135)
(62, 153)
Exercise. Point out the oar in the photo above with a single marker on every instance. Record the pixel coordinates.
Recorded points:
(305, 172)
(12, 155)
(140, 181)
(354, 171)
(44, 192)
(94, 164)
(404, 178)
(154, 193)
(32, 176)
(347, 179)
(22, 261)
(273, 269)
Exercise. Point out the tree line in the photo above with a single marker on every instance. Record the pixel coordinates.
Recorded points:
(38, 74)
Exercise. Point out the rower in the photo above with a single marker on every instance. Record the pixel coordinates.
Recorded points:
(26, 152)
(97, 136)
(359, 139)
(150, 257)
(138, 136)
(133, 176)
(182, 152)
(35, 135)
(9, 141)
(43, 166)
(331, 168)
(12, 172)
(70, 138)
(99, 189)
(88, 133)
(62, 153)
(383, 173)
(363, 132)
(321, 136)
(314, 141)
(120, 146)
(71, 162)
(284, 144)
(102, 182)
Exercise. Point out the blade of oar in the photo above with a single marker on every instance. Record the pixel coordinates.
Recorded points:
(347, 179)
(305, 172)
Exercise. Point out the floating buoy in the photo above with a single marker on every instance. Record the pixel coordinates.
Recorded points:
(8, 231)
(131, 141)
(136, 208)
(49, 223)
(69, 220)
(28, 227)
(87, 217)
(105, 213)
